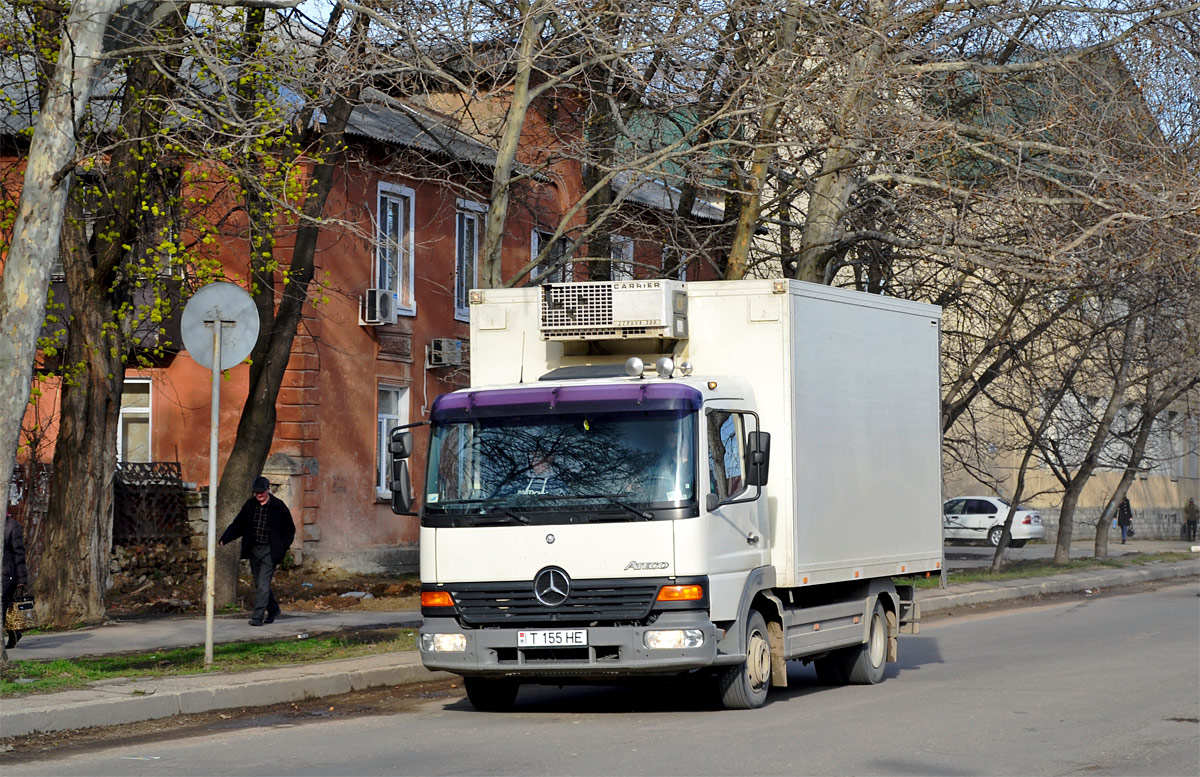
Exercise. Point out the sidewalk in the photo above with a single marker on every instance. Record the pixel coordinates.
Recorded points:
(126, 701)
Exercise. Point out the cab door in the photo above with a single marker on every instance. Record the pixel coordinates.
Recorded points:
(737, 533)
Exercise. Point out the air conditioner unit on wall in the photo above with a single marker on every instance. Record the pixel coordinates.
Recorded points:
(445, 352)
(378, 307)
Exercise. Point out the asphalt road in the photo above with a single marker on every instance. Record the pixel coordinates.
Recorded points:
(1105, 685)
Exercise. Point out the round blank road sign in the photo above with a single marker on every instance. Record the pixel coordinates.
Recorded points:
(234, 306)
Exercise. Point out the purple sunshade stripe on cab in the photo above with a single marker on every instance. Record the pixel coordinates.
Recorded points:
(566, 398)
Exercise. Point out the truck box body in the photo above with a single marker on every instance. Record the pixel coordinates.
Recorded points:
(845, 384)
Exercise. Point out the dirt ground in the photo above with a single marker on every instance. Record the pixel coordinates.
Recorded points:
(155, 590)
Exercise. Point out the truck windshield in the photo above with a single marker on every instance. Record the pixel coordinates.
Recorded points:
(620, 461)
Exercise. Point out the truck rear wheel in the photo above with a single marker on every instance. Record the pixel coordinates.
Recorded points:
(491, 694)
(866, 662)
(744, 687)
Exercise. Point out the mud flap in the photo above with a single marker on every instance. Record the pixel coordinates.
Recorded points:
(778, 664)
(893, 634)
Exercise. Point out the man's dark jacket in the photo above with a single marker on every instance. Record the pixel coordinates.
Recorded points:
(279, 520)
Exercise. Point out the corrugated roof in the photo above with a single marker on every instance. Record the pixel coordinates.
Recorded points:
(405, 126)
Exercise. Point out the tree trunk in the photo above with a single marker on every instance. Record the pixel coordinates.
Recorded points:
(828, 203)
(271, 352)
(506, 150)
(78, 527)
(39, 214)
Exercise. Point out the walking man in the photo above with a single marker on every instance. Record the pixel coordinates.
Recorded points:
(1191, 514)
(265, 525)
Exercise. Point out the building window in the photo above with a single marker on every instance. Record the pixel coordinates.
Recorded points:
(554, 268)
(394, 246)
(393, 412)
(675, 263)
(620, 250)
(468, 227)
(133, 438)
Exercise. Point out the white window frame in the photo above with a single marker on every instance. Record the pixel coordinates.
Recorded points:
(403, 284)
(620, 250)
(677, 260)
(538, 274)
(126, 412)
(466, 253)
(385, 422)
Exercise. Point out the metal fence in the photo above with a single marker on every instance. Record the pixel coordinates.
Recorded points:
(148, 504)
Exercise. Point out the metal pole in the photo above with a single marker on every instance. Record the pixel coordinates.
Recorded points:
(210, 584)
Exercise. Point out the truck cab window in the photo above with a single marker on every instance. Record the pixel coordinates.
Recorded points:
(726, 443)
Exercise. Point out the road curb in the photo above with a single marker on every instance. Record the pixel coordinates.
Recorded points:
(154, 698)
(940, 602)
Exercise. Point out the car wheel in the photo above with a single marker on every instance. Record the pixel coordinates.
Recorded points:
(491, 694)
(994, 536)
(744, 687)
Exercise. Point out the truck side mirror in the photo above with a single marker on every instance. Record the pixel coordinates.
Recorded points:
(758, 458)
(401, 444)
(401, 486)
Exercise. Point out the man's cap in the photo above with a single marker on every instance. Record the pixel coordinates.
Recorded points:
(261, 484)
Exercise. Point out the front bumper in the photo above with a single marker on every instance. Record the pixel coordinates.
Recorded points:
(612, 651)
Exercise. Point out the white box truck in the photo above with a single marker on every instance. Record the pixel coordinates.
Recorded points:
(657, 478)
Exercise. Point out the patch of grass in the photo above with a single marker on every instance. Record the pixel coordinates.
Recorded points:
(61, 674)
(1016, 570)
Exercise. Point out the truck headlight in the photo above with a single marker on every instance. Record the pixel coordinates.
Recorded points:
(443, 643)
(673, 639)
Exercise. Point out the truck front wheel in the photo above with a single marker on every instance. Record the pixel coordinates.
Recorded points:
(491, 694)
(744, 687)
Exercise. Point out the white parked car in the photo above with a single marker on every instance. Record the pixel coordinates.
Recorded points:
(981, 518)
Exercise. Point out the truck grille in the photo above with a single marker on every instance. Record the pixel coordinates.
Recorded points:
(487, 604)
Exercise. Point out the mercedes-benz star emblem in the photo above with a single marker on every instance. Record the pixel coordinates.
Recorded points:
(551, 586)
(549, 539)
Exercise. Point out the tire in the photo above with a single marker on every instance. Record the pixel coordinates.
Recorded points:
(995, 535)
(491, 694)
(744, 687)
(866, 662)
(1016, 544)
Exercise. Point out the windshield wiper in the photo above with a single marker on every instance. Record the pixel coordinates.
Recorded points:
(510, 516)
(644, 515)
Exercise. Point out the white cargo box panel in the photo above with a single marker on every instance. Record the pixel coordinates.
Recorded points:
(848, 384)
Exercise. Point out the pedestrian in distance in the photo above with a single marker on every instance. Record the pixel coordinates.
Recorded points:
(266, 527)
(1125, 519)
(15, 573)
(1191, 514)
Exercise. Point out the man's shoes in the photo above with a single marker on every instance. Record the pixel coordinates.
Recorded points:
(269, 619)
(271, 615)
(256, 622)
(13, 638)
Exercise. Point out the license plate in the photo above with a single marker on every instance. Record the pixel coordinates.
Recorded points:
(552, 638)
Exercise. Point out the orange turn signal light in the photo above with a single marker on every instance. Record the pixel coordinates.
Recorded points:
(681, 593)
(436, 599)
